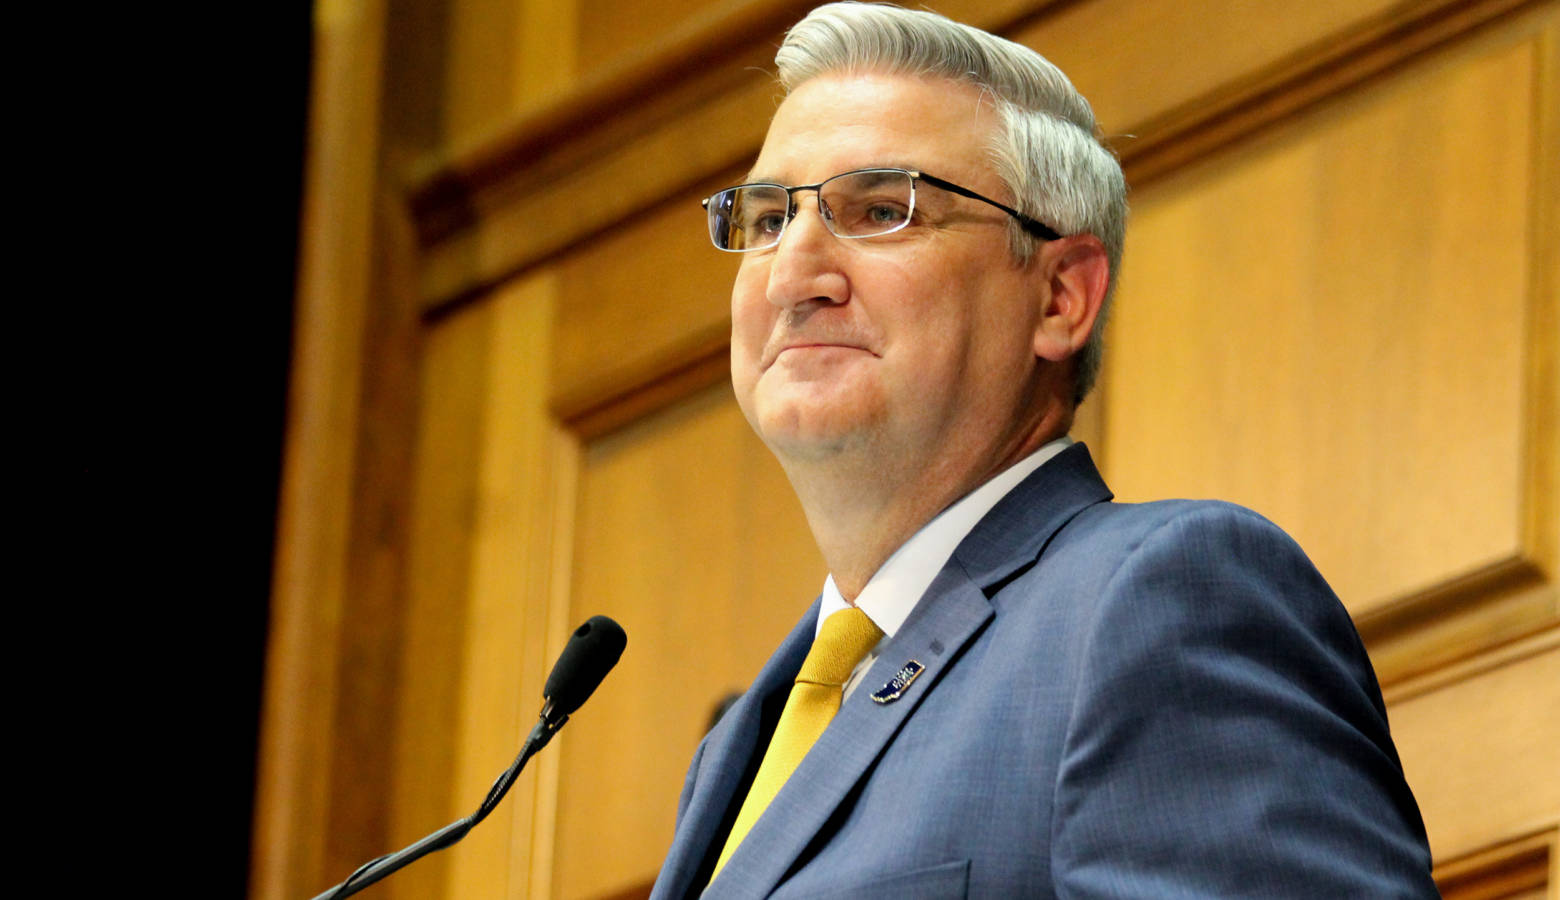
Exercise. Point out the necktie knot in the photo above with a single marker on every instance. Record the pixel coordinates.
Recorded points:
(845, 638)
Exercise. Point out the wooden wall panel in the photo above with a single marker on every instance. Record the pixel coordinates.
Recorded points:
(444, 500)
(1339, 307)
(509, 627)
(670, 302)
(547, 50)
(688, 534)
(480, 63)
(1329, 325)
(478, 604)
(1217, 44)
(611, 30)
(471, 66)
(1448, 739)
(547, 213)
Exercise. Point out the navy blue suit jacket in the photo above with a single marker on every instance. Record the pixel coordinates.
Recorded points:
(1159, 700)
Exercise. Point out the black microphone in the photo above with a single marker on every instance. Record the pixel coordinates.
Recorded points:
(592, 651)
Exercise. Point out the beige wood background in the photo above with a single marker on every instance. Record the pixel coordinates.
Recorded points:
(509, 412)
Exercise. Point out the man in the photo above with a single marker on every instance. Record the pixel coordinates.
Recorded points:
(1044, 693)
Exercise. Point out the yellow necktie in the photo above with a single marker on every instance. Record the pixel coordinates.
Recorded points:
(815, 698)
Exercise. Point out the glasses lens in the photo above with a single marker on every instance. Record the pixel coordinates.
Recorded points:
(862, 204)
(748, 217)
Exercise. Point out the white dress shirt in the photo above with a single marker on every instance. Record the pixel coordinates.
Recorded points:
(897, 586)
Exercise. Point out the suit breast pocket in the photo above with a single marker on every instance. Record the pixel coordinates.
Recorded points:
(946, 880)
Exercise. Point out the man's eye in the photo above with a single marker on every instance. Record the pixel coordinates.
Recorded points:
(769, 223)
(885, 214)
(868, 214)
(761, 222)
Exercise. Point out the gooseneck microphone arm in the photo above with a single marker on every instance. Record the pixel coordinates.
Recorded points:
(592, 651)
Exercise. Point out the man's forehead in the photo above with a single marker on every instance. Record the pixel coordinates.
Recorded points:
(843, 121)
(757, 176)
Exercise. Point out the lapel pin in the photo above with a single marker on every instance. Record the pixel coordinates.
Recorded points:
(897, 685)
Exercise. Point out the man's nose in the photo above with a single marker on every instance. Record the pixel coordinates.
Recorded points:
(806, 266)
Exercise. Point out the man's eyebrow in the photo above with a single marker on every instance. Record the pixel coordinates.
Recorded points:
(754, 178)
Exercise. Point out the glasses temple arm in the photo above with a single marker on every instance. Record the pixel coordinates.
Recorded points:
(1034, 227)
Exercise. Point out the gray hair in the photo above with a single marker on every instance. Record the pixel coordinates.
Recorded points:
(1048, 151)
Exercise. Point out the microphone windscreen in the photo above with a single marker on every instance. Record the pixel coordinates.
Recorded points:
(591, 653)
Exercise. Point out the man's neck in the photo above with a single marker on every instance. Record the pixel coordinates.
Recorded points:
(861, 513)
(857, 537)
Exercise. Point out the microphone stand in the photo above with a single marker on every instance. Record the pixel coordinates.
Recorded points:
(376, 869)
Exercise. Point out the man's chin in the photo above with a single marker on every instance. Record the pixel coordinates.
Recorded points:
(808, 421)
(812, 441)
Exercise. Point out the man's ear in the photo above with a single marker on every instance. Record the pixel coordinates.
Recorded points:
(1076, 270)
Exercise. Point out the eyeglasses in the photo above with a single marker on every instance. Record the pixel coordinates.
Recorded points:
(859, 204)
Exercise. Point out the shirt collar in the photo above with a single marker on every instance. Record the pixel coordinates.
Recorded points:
(897, 586)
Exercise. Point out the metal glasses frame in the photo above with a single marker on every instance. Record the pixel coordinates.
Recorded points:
(1033, 227)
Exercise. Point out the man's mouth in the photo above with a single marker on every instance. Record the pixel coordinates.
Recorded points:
(808, 346)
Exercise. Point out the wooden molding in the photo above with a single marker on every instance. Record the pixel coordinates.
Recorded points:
(303, 814)
(1541, 438)
(1504, 870)
(707, 41)
(592, 421)
(1459, 618)
(1543, 641)
(704, 42)
(691, 106)
(1183, 135)
(1519, 596)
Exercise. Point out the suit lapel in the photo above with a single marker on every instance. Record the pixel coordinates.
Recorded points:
(1016, 531)
(843, 755)
(724, 760)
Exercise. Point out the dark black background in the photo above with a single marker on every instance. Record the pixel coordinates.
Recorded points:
(269, 126)
(172, 242)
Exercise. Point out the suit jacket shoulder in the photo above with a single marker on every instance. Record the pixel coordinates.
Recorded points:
(1226, 736)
